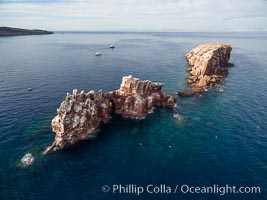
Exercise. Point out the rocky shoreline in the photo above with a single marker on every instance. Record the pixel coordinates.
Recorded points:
(81, 114)
(8, 31)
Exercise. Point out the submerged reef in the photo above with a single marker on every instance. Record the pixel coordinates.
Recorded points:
(208, 65)
(81, 114)
(26, 160)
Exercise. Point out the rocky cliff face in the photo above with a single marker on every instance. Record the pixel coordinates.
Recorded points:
(81, 114)
(207, 65)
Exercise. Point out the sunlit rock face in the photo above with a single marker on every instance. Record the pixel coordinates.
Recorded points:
(136, 98)
(208, 65)
(81, 114)
(134, 86)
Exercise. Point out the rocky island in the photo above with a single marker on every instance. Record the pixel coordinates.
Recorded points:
(208, 65)
(7, 31)
(81, 114)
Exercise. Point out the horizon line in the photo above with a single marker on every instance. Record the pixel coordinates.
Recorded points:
(144, 30)
(159, 31)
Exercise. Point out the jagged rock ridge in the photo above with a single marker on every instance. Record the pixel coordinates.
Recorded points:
(81, 114)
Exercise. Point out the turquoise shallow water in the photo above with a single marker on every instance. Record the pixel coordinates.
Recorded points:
(219, 139)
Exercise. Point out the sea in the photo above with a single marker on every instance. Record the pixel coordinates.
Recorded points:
(214, 140)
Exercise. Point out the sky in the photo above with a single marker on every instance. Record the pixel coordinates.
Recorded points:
(139, 15)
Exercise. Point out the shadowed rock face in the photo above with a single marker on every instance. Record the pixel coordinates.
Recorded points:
(81, 114)
(207, 65)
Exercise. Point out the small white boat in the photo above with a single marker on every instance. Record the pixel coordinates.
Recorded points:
(112, 46)
(98, 53)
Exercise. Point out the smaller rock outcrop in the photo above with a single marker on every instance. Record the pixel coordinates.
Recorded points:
(208, 65)
(81, 114)
(26, 160)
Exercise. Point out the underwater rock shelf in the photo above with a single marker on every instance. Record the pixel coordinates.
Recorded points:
(81, 114)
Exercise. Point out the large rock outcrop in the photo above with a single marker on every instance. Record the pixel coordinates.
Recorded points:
(208, 65)
(81, 114)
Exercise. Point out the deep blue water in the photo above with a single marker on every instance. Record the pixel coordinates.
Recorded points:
(222, 138)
